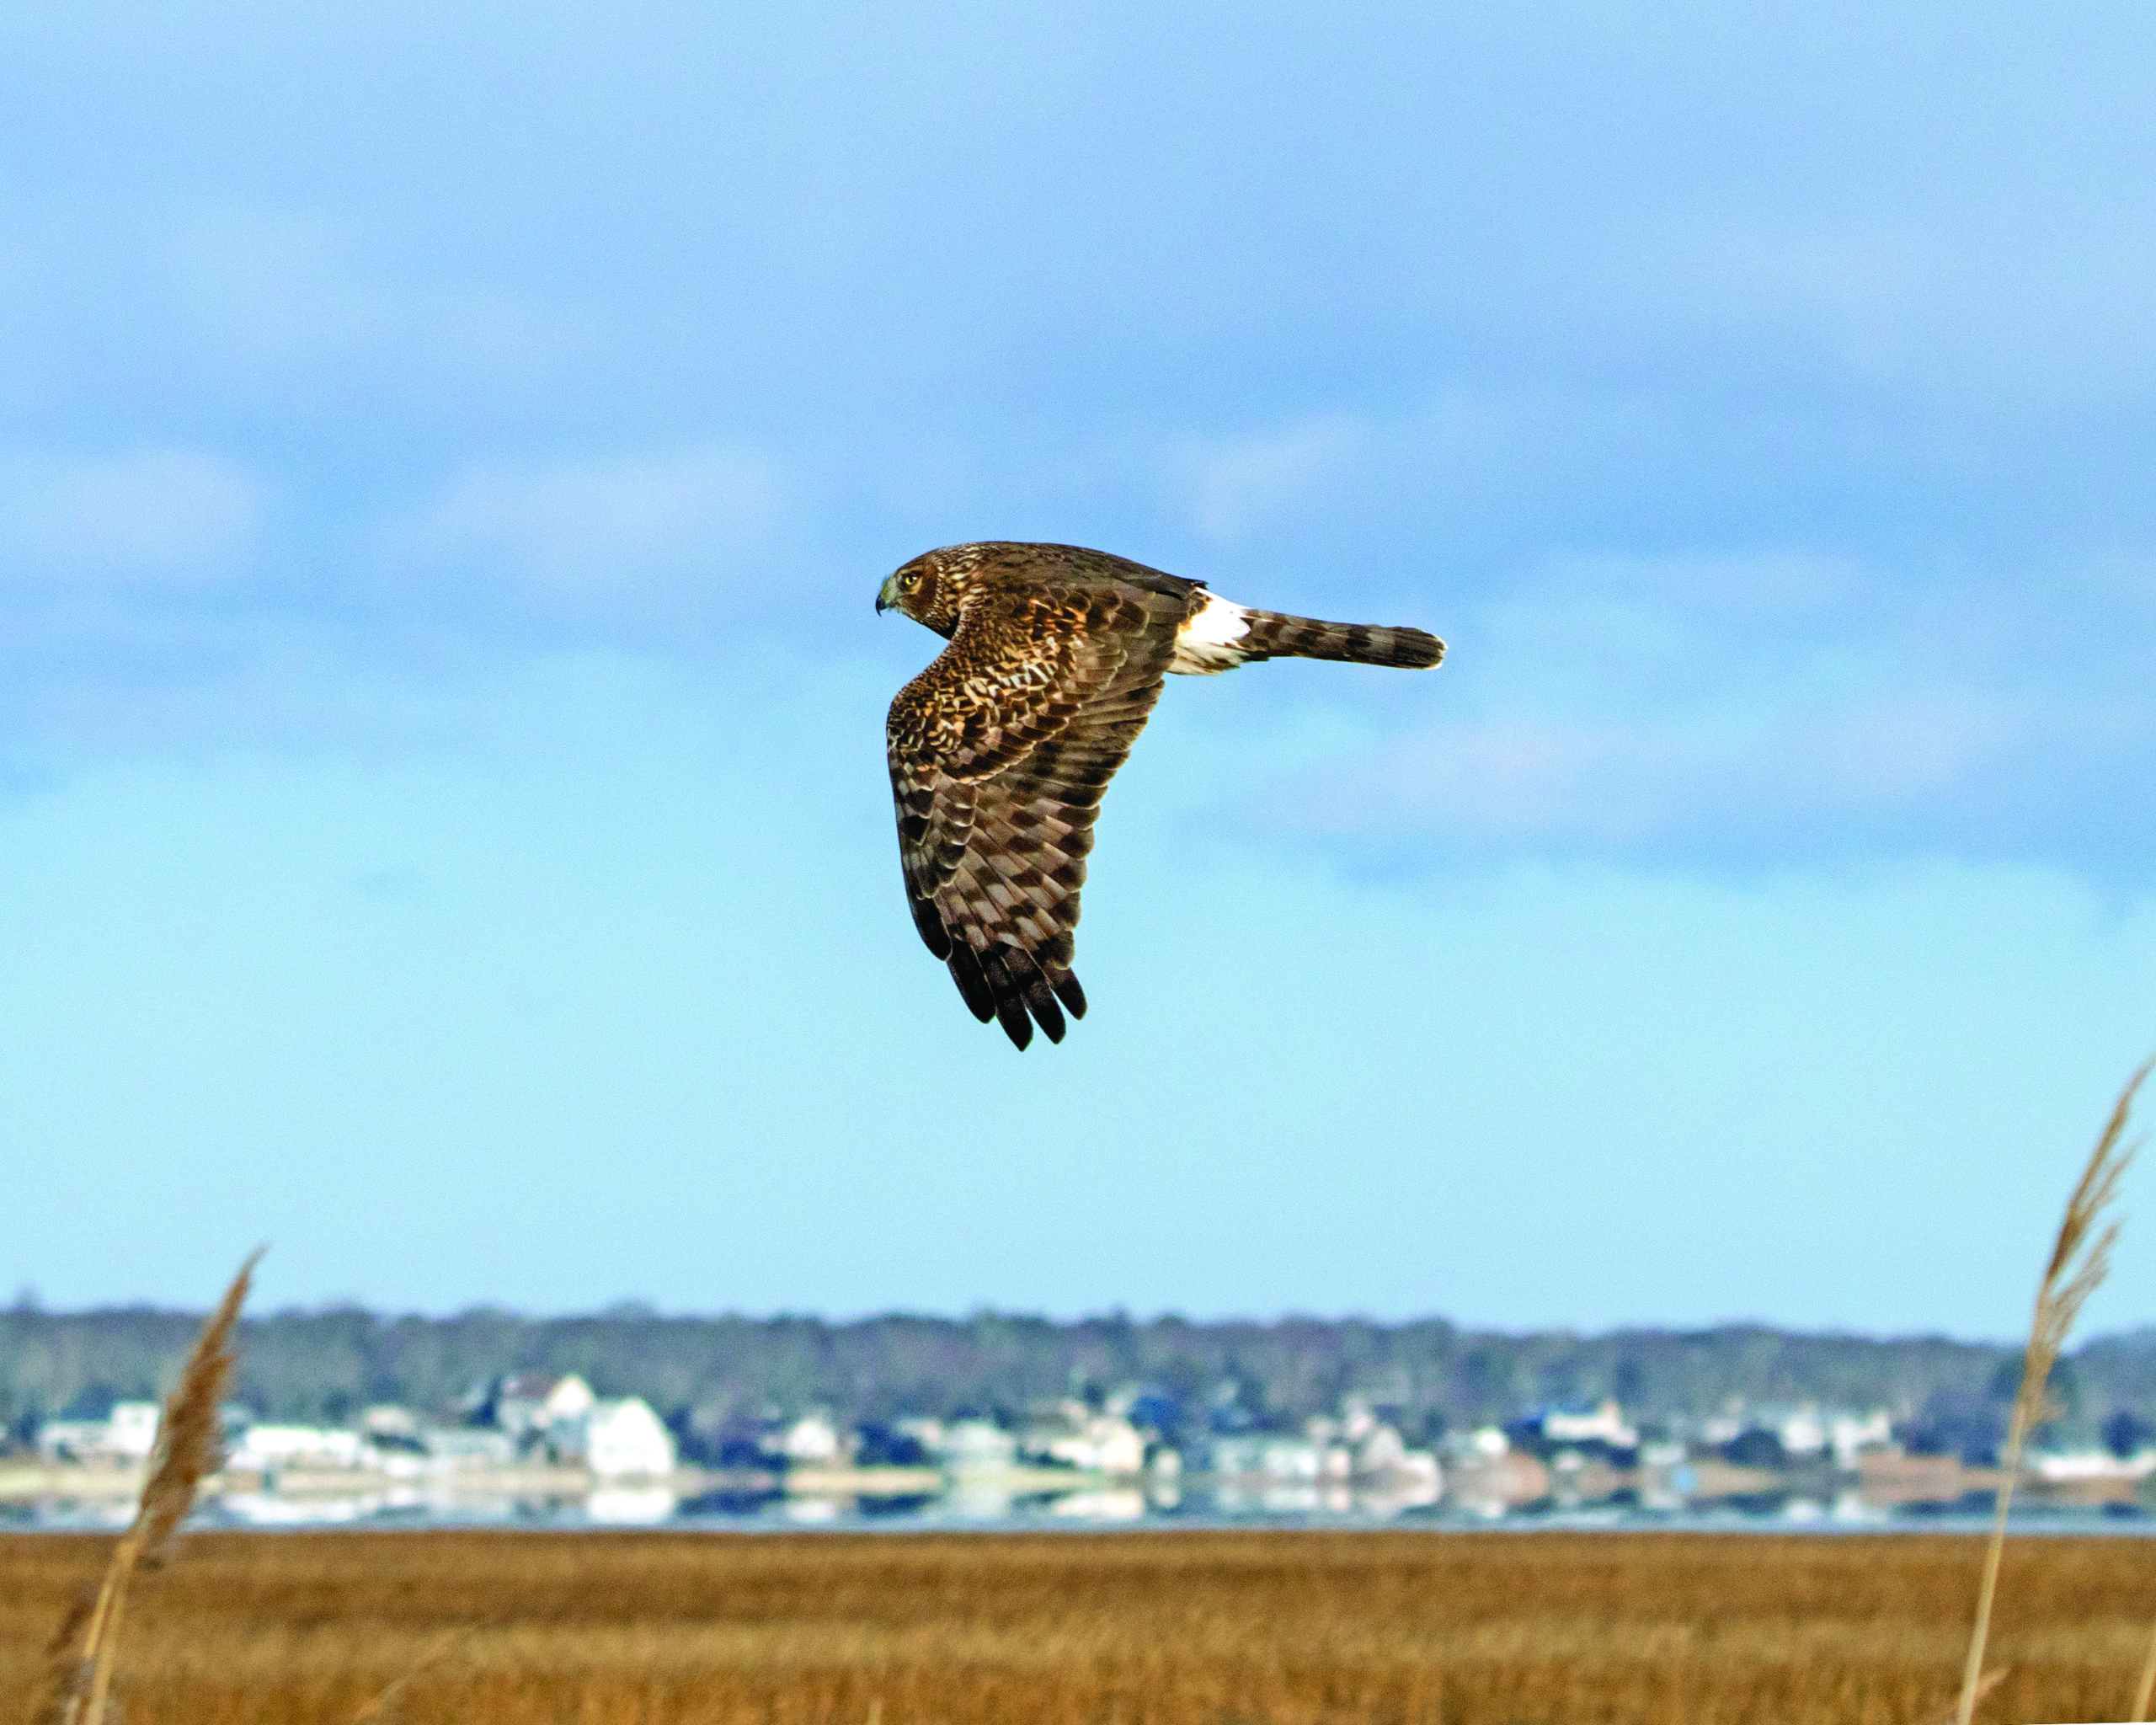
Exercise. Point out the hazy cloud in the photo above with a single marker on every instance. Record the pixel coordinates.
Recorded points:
(1762, 405)
(1633, 785)
(1756, 708)
(1232, 486)
(618, 533)
(151, 518)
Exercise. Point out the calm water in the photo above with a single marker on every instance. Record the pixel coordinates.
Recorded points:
(1074, 1511)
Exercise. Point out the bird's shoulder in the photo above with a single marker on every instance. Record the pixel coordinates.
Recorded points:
(1013, 653)
(1016, 569)
(1042, 629)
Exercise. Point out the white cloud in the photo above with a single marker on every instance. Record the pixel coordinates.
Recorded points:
(1623, 782)
(1230, 487)
(271, 295)
(1935, 303)
(1761, 585)
(1947, 768)
(1741, 707)
(146, 518)
(588, 533)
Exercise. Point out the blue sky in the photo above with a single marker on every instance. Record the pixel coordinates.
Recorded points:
(446, 460)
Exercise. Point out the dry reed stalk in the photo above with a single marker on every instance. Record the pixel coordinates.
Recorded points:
(2147, 1682)
(190, 1446)
(2080, 1259)
(380, 1707)
(1990, 1680)
(63, 1658)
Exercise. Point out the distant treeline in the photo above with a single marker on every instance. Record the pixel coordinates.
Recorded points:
(708, 1375)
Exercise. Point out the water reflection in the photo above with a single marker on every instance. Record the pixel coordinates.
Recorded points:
(1510, 1491)
(1124, 1505)
(627, 1506)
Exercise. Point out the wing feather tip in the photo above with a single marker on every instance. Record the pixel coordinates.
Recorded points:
(1010, 997)
(973, 985)
(1011, 1015)
(1040, 1001)
(930, 924)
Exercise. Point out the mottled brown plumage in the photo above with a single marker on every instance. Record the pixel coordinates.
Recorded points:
(1000, 750)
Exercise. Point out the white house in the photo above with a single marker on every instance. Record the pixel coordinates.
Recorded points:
(129, 1434)
(619, 1437)
(531, 1403)
(468, 1446)
(977, 1446)
(263, 1447)
(1258, 1455)
(1099, 1443)
(1335, 1449)
(385, 1419)
(571, 1398)
(75, 1441)
(813, 1441)
(1807, 1430)
(1605, 1423)
(1850, 1434)
(1486, 1443)
(1379, 1449)
(135, 1429)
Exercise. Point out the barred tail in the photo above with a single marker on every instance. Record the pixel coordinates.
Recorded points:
(1274, 635)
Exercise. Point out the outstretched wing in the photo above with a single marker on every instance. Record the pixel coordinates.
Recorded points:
(1000, 752)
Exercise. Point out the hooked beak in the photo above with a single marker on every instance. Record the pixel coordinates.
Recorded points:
(888, 597)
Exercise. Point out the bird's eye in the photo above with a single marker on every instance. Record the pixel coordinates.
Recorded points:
(912, 580)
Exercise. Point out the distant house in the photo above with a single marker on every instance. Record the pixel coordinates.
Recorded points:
(466, 1446)
(385, 1419)
(1328, 1437)
(530, 1405)
(1849, 1435)
(1804, 1431)
(813, 1441)
(128, 1436)
(977, 1446)
(1380, 1449)
(1264, 1455)
(1093, 1443)
(1602, 1425)
(263, 1448)
(74, 1441)
(617, 1438)
(1484, 1444)
(135, 1429)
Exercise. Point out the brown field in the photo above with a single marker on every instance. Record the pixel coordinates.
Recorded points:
(1261, 1628)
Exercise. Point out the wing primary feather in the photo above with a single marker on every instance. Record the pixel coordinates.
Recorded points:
(973, 986)
(1033, 986)
(1000, 753)
(930, 922)
(1009, 1006)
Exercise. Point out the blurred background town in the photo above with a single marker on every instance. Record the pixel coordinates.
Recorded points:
(629, 1416)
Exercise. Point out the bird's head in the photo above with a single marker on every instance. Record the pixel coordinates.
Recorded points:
(932, 589)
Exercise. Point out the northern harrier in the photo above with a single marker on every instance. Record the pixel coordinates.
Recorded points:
(1000, 750)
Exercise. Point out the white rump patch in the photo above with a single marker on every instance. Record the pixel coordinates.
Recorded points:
(1207, 642)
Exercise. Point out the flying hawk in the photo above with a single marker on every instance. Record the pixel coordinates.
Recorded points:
(1000, 750)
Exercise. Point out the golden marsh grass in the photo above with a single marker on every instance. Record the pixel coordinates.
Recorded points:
(1168, 1628)
(2080, 1259)
(82, 1654)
